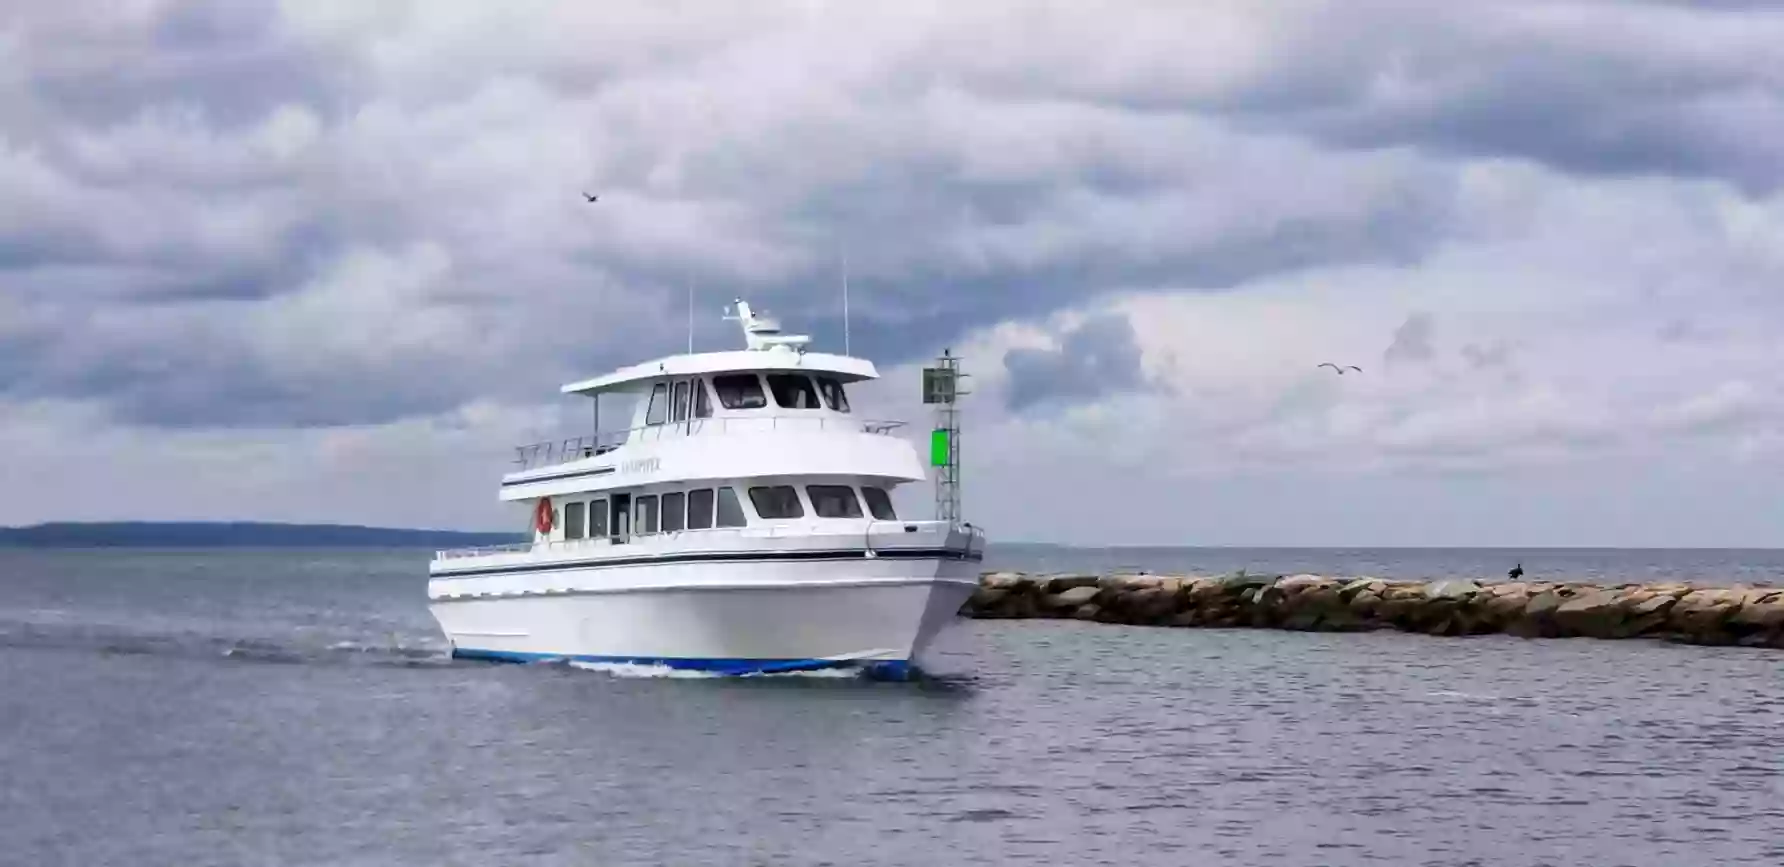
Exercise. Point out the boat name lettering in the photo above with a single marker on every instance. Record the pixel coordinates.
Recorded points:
(641, 465)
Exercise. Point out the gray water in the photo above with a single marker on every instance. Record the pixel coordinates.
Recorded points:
(294, 707)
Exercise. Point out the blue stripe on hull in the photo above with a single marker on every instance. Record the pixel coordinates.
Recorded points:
(896, 669)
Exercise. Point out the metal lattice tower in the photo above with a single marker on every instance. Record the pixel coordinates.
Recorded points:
(941, 388)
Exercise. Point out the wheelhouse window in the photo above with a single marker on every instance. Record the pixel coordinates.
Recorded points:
(644, 515)
(739, 391)
(681, 401)
(658, 411)
(700, 509)
(879, 503)
(702, 402)
(834, 396)
(675, 512)
(792, 391)
(597, 519)
(573, 520)
(730, 510)
(833, 501)
(776, 502)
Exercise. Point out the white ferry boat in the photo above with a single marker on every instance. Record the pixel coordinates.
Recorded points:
(742, 524)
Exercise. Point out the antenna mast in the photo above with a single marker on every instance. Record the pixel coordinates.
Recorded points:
(845, 304)
(690, 317)
(941, 388)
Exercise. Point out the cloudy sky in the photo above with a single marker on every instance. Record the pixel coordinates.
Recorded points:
(328, 261)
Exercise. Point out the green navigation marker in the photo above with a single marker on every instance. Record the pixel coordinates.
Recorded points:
(938, 447)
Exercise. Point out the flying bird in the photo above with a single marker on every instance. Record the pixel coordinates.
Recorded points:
(1341, 370)
(589, 197)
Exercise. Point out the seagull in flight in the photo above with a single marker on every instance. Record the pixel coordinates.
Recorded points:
(590, 198)
(1341, 370)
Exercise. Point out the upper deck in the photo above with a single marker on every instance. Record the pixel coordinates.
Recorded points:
(774, 388)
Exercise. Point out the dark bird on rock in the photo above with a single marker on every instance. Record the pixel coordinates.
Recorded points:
(589, 197)
(1341, 370)
(1516, 572)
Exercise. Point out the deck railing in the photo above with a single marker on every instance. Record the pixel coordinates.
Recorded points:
(975, 537)
(553, 452)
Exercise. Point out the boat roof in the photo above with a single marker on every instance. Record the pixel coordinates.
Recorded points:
(843, 367)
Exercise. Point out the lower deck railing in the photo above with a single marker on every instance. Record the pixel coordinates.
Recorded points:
(975, 537)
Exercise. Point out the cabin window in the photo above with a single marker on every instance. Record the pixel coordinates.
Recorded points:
(597, 519)
(792, 391)
(702, 403)
(681, 401)
(700, 509)
(659, 404)
(730, 510)
(739, 391)
(675, 512)
(644, 515)
(879, 503)
(573, 520)
(778, 501)
(834, 396)
(833, 501)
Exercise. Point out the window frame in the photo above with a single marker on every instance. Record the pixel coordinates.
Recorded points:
(702, 399)
(657, 411)
(727, 495)
(809, 390)
(676, 514)
(854, 499)
(710, 515)
(679, 402)
(640, 512)
(797, 501)
(575, 527)
(597, 507)
(891, 512)
(761, 392)
(841, 395)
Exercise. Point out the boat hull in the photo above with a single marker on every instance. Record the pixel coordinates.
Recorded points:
(874, 614)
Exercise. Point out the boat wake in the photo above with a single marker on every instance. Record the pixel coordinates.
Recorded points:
(112, 639)
(633, 670)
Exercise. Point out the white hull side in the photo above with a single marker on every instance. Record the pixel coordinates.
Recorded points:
(736, 617)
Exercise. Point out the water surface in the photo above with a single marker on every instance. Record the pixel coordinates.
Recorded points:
(294, 707)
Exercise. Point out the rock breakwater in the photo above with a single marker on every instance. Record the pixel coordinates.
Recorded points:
(1745, 616)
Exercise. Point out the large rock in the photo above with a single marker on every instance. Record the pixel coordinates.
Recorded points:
(1072, 597)
(987, 598)
(1451, 590)
(1003, 580)
(1763, 615)
(1056, 584)
(1594, 614)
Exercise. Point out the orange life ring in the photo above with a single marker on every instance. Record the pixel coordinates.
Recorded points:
(542, 515)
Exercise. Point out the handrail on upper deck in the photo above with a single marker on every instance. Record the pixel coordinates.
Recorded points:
(552, 452)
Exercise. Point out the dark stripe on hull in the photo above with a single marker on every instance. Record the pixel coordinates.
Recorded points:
(723, 557)
(598, 471)
(889, 669)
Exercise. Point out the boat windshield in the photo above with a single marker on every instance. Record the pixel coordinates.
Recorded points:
(739, 391)
(834, 396)
(792, 391)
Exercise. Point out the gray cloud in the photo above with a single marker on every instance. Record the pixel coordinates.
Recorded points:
(1412, 340)
(1097, 359)
(196, 187)
(1490, 355)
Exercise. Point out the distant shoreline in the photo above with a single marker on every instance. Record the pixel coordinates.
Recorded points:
(225, 534)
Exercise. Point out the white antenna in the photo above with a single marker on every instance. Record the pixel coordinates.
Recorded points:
(845, 304)
(690, 317)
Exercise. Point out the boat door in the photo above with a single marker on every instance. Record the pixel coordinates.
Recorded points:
(620, 517)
